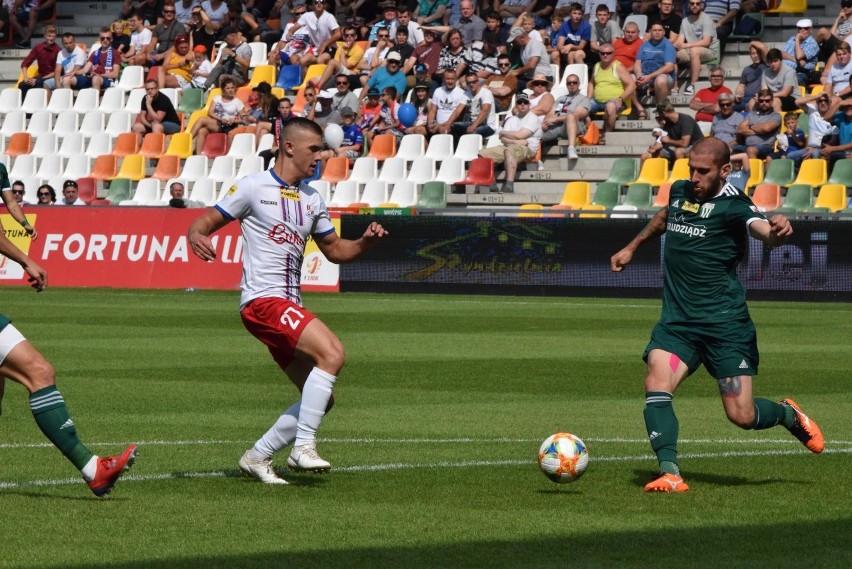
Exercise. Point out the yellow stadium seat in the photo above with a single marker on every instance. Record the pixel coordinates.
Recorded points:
(261, 74)
(789, 7)
(132, 168)
(755, 176)
(654, 172)
(180, 145)
(314, 71)
(531, 210)
(831, 197)
(813, 172)
(194, 117)
(577, 195)
(680, 170)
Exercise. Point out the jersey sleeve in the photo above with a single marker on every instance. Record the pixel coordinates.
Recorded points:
(236, 204)
(743, 212)
(322, 223)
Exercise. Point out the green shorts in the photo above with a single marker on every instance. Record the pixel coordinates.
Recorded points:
(726, 350)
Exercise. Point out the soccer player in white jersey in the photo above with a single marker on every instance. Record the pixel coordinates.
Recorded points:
(278, 211)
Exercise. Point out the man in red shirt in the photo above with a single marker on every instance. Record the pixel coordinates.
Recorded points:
(44, 54)
(705, 101)
(627, 47)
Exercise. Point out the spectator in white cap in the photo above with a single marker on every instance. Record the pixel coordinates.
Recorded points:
(799, 53)
(389, 75)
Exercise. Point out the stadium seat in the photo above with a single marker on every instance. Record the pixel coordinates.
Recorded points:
(119, 122)
(345, 193)
(112, 100)
(680, 170)
(755, 175)
(132, 167)
(363, 170)
(243, 94)
(87, 100)
(77, 167)
(119, 190)
(167, 167)
(531, 210)
(581, 70)
(624, 171)
(190, 101)
(153, 145)
(39, 123)
(249, 165)
(404, 194)
(13, 122)
(195, 168)
(757, 34)
(661, 198)
(204, 191)
(10, 100)
(105, 168)
(440, 147)
(87, 189)
(314, 71)
(100, 143)
(607, 194)
(263, 74)
(258, 54)
(434, 195)
(66, 123)
(323, 188)
(72, 144)
(468, 147)
(411, 147)
(767, 197)
(289, 77)
(393, 171)
(639, 195)
(640, 20)
(93, 123)
(215, 145)
(19, 143)
(813, 172)
(383, 147)
(173, 94)
(336, 169)
(480, 173)
(789, 7)
(166, 195)
(60, 100)
(147, 193)
(780, 172)
(841, 173)
(830, 199)
(222, 169)
(35, 100)
(267, 141)
(576, 195)
(132, 77)
(654, 172)
(134, 101)
(242, 145)
(375, 193)
(46, 145)
(25, 165)
(126, 144)
(799, 198)
(422, 171)
(180, 145)
(451, 171)
(50, 167)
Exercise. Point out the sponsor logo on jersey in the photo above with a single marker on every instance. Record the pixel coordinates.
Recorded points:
(679, 226)
(280, 234)
(706, 209)
(268, 202)
(290, 194)
(689, 206)
(232, 189)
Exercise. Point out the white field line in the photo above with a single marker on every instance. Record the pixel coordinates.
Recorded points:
(372, 441)
(418, 466)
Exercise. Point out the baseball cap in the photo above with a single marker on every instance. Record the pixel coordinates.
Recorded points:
(69, 184)
(228, 30)
(263, 87)
(522, 97)
(199, 49)
(393, 56)
(181, 39)
(421, 67)
(421, 86)
(804, 23)
(373, 92)
(665, 107)
(346, 112)
(515, 34)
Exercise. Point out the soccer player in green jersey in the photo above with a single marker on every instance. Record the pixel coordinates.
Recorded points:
(704, 318)
(21, 362)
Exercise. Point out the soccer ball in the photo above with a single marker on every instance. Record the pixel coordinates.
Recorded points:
(563, 457)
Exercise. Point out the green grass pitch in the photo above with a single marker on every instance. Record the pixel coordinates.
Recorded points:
(440, 410)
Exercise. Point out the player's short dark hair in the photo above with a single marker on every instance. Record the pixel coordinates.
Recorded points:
(720, 151)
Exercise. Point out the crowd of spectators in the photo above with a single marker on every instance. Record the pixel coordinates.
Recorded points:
(483, 67)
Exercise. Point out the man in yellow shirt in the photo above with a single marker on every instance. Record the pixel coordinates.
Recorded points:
(610, 86)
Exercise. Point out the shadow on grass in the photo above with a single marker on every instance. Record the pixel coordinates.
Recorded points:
(819, 544)
(642, 477)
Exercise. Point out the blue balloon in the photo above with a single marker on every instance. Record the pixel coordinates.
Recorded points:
(407, 114)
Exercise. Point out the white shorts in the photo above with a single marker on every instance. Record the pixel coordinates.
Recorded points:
(9, 338)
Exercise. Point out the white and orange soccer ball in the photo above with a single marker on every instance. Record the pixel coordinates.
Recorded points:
(563, 457)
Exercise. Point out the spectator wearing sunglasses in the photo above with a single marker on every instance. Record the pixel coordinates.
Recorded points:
(13, 198)
(46, 195)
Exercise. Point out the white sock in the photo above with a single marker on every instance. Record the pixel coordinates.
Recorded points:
(279, 435)
(90, 469)
(315, 396)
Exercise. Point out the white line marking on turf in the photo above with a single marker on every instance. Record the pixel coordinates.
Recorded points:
(421, 466)
(457, 440)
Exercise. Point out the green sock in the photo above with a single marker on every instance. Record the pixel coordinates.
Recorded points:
(52, 417)
(662, 426)
(768, 413)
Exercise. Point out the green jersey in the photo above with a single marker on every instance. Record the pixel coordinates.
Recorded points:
(704, 243)
(4, 178)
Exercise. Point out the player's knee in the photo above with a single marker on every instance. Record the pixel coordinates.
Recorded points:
(743, 418)
(40, 373)
(333, 357)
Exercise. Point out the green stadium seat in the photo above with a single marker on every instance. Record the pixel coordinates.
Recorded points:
(434, 195)
(191, 100)
(639, 195)
(624, 171)
(799, 198)
(841, 173)
(607, 194)
(781, 172)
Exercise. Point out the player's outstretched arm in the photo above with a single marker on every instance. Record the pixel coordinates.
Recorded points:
(17, 213)
(200, 231)
(775, 231)
(655, 227)
(340, 251)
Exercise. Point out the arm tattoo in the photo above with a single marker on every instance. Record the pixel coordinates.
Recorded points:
(730, 387)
